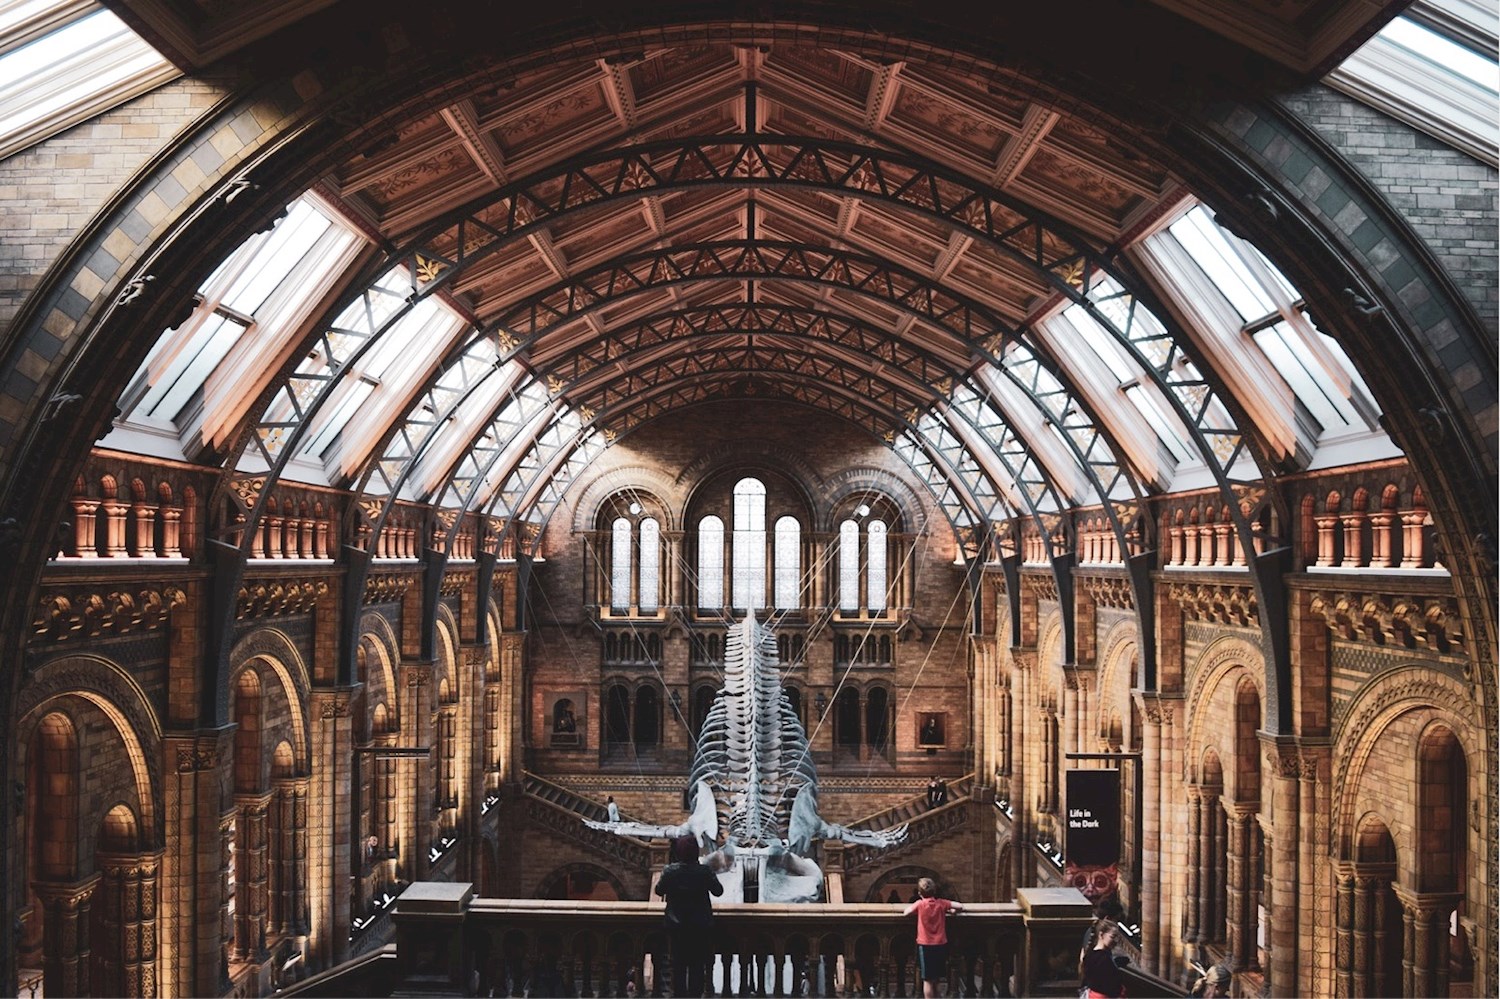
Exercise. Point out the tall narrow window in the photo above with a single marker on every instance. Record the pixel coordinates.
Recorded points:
(876, 560)
(788, 567)
(650, 597)
(710, 563)
(619, 569)
(749, 550)
(848, 566)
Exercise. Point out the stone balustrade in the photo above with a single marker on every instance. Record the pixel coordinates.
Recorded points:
(451, 942)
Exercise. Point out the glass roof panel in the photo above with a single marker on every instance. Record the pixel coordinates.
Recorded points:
(82, 68)
(290, 241)
(1209, 246)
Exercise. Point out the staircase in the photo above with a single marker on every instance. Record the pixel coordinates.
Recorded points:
(562, 811)
(924, 825)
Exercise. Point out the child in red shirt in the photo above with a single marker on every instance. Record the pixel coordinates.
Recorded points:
(932, 934)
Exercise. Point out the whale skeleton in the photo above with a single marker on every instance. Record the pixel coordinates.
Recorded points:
(753, 777)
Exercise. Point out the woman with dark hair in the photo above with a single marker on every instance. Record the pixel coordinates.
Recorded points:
(686, 884)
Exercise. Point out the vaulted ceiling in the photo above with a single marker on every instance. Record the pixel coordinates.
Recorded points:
(864, 229)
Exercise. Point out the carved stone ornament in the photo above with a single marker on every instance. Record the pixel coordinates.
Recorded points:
(278, 598)
(1107, 591)
(1215, 603)
(191, 759)
(418, 676)
(387, 588)
(91, 614)
(1409, 621)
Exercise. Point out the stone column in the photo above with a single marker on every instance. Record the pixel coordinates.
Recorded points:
(1283, 764)
(1173, 826)
(1425, 955)
(1343, 952)
(65, 932)
(252, 873)
(1023, 869)
(329, 847)
(418, 728)
(192, 961)
(128, 892)
(1314, 878)
(1241, 890)
(1150, 876)
(1195, 861)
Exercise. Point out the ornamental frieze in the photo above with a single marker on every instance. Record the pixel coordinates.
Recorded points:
(279, 597)
(386, 589)
(1429, 623)
(1107, 591)
(455, 583)
(1214, 603)
(77, 614)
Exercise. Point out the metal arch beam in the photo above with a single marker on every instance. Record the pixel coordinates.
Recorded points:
(909, 292)
(1048, 248)
(972, 327)
(574, 375)
(1044, 246)
(703, 387)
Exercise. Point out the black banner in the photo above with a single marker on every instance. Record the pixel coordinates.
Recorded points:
(1092, 842)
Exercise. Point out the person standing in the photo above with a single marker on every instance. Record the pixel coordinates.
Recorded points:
(1101, 976)
(686, 885)
(613, 809)
(932, 934)
(932, 792)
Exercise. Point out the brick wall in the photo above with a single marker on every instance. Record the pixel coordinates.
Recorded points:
(1448, 198)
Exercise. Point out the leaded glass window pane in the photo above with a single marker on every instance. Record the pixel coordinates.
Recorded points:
(788, 563)
(848, 566)
(650, 566)
(619, 569)
(710, 563)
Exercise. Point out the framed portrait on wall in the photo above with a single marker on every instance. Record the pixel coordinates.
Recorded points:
(932, 729)
(564, 718)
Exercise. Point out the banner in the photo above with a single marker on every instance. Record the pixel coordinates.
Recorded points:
(1091, 844)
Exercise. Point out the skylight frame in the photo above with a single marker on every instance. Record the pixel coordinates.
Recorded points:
(66, 66)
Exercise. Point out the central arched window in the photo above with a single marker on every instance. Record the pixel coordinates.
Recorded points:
(864, 577)
(710, 563)
(787, 562)
(632, 554)
(749, 546)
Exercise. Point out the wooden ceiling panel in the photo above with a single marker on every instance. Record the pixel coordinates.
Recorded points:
(675, 67)
(546, 122)
(824, 68)
(956, 125)
(1093, 199)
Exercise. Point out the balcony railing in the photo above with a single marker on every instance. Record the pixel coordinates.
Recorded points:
(448, 940)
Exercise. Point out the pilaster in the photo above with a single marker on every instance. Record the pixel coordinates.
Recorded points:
(329, 823)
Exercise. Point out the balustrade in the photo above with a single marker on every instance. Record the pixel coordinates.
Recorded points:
(447, 938)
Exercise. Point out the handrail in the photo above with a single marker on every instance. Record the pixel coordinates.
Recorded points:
(450, 942)
(340, 979)
(903, 811)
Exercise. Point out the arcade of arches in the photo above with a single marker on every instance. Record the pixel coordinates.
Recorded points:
(399, 401)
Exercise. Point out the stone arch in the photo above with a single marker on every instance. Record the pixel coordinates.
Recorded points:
(1218, 668)
(117, 694)
(626, 478)
(903, 877)
(284, 661)
(569, 878)
(446, 650)
(1386, 698)
(915, 515)
(1049, 656)
(377, 631)
(1117, 663)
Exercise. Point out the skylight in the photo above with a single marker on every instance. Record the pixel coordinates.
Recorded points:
(247, 310)
(1435, 68)
(55, 79)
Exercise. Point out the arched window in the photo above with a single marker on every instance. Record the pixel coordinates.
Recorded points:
(875, 559)
(794, 699)
(647, 728)
(617, 716)
(650, 592)
(846, 727)
(849, 566)
(877, 719)
(749, 546)
(619, 570)
(710, 563)
(703, 699)
(788, 563)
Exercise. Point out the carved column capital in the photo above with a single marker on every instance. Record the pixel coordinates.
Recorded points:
(1023, 658)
